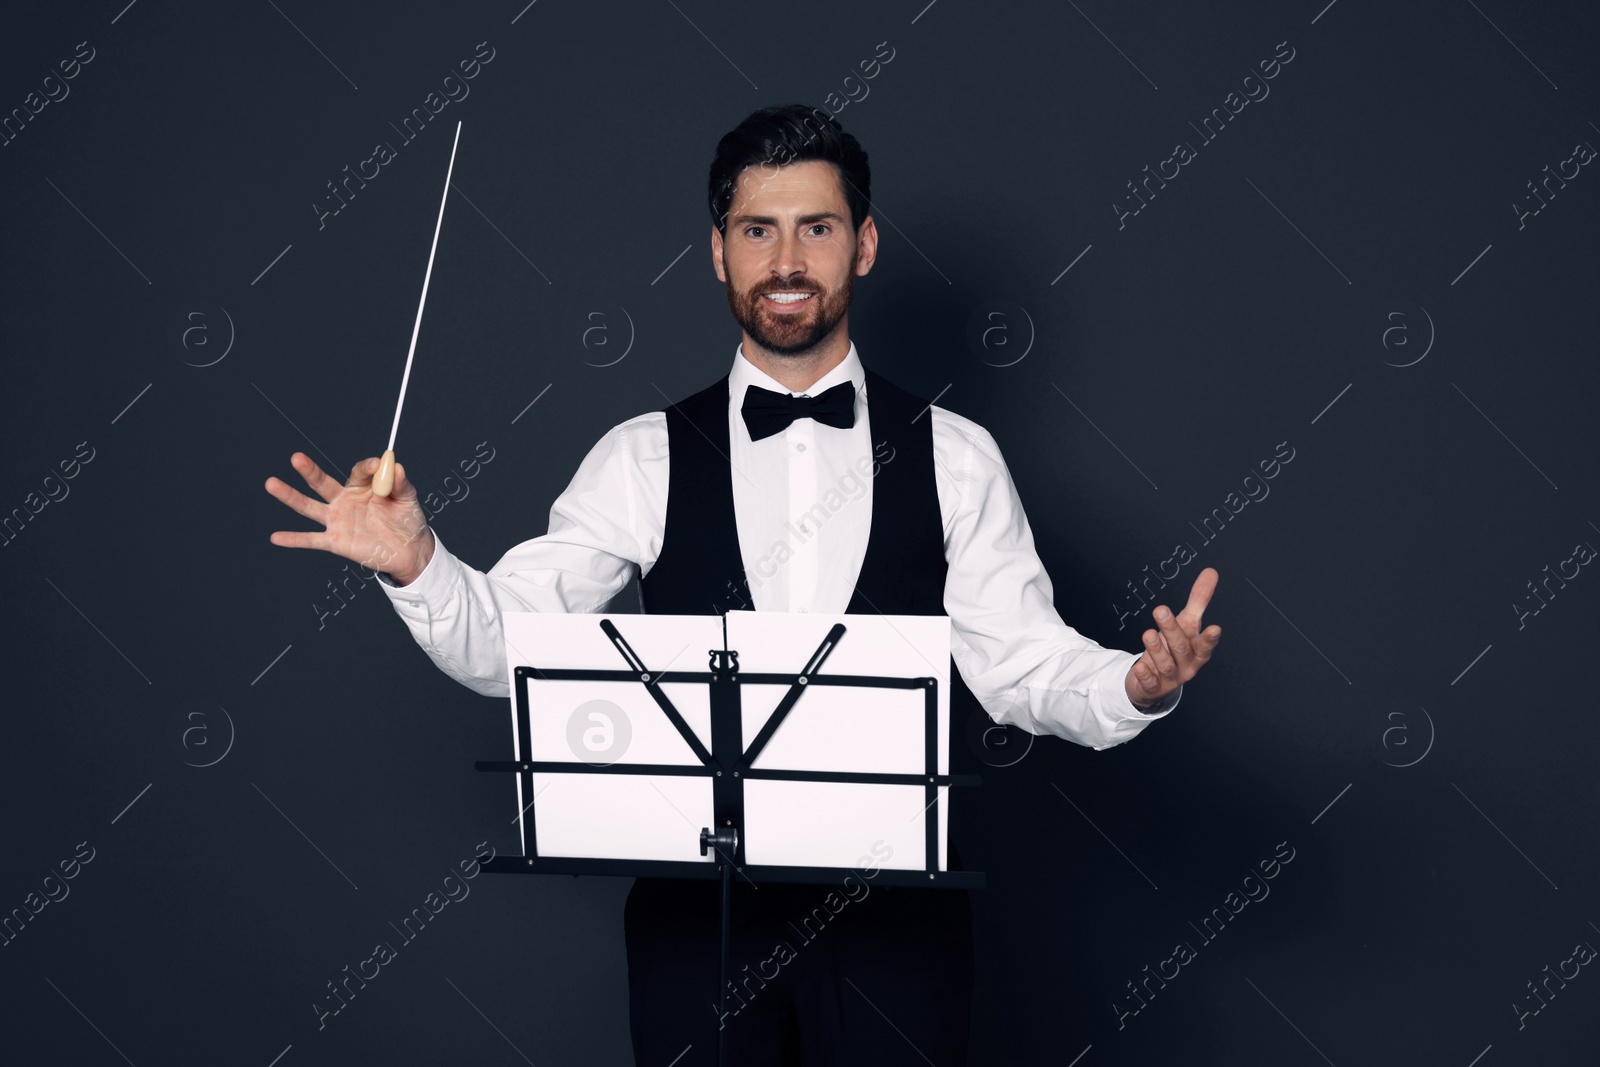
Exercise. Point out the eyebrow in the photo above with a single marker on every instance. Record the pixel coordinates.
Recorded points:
(804, 220)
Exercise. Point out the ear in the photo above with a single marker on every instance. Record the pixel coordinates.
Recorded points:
(716, 255)
(867, 245)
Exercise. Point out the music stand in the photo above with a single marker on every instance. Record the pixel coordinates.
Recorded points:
(726, 765)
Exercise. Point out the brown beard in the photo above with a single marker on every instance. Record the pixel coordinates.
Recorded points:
(791, 335)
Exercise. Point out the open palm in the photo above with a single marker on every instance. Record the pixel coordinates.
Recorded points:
(381, 533)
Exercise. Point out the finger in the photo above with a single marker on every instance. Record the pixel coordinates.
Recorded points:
(324, 484)
(314, 510)
(1176, 636)
(300, 539)
(1203, 645)
(1146, 678)
(1160, 657)
(361, 474)
(403, 489)
(1205, 584)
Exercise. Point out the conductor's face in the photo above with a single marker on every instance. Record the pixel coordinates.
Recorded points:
(791, 256)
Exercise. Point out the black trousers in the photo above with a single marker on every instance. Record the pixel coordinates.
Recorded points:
(820, 974)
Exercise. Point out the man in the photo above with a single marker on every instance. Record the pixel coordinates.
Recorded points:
(858, 497)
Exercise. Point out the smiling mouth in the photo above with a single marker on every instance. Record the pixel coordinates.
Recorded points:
(789, 297)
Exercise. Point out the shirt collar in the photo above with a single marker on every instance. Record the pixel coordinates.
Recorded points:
(745, 373)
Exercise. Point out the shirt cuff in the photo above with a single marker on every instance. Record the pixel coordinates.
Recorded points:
(430, 589)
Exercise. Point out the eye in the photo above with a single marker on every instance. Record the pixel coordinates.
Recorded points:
(820, 225)
(752, 229)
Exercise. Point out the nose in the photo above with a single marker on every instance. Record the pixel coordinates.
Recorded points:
(790, 260)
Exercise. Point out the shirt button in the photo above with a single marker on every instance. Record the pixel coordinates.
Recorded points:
(802, 611)
(799, 448)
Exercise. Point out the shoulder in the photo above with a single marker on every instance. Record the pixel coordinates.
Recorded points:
(640, 425)
(968, 467)
(962, 441)
(633, 442)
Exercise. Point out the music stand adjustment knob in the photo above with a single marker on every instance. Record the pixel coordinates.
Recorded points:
(724, 839)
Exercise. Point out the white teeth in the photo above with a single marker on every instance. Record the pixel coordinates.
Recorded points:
(787, 298)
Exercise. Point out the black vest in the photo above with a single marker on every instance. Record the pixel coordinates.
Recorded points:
(700, 570)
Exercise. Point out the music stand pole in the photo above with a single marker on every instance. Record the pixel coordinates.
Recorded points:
(727, 908)
(726, 841)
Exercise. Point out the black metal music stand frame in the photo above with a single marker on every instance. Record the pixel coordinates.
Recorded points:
(729, 765)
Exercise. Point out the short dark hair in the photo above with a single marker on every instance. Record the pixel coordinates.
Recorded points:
(791, 133)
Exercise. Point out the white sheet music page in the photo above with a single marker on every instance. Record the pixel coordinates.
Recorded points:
(601, 722)
(843, 728)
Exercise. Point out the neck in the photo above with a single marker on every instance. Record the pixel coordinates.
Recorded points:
(798, 372)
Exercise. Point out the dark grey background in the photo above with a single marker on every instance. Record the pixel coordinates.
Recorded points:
(1375, 702)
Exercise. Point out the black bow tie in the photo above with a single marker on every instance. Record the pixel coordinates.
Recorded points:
(766, 412)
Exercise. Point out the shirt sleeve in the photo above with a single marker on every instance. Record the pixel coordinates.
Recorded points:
(1025, 665)
(609, 520)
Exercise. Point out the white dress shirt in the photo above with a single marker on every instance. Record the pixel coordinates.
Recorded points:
(803, 503)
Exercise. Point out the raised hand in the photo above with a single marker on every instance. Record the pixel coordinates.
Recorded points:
(1176, 652)
(388, 534)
